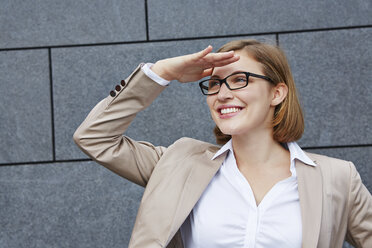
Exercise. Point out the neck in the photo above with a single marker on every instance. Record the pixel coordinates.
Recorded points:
(258, 150)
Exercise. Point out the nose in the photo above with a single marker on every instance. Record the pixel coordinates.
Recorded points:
(224, 93)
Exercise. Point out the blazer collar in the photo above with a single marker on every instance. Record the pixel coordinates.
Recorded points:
(310, 190)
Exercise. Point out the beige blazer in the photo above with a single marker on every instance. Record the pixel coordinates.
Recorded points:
(334, 202)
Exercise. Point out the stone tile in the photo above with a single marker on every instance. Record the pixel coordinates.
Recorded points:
(66, 205)
(25, 120)
(83, 76)
(333, 74)
(49, 23)
(178, 19)
(360, 156)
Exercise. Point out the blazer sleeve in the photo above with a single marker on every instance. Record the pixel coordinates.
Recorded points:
(359, 230)
(100, 135)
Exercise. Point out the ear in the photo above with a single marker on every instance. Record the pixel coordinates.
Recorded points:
(280, 92)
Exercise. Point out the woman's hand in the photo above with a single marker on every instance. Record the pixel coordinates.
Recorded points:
(192, 67)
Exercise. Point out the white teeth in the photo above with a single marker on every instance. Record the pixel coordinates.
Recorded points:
(229, 110)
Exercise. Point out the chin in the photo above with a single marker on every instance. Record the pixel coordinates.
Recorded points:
(230, 130)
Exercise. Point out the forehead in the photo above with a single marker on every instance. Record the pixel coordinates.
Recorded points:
(246, 63)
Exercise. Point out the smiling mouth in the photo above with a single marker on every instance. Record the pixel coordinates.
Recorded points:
(225, 111)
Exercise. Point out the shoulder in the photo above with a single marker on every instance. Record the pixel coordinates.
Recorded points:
(185, 154)
(324, 160)
(190, 145)
(333, 169)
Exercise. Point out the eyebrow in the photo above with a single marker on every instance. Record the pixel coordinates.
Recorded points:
(218, 77)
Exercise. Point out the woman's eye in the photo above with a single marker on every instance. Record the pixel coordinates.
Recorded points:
(214, 83)
(240, 80)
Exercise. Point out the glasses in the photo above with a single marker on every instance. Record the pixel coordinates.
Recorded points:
(234, 81)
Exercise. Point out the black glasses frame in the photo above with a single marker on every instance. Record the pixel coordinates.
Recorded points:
(223, 81)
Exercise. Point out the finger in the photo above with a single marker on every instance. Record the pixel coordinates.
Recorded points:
(226, 61)
(204, 52)
(215, 57)
(219, 63)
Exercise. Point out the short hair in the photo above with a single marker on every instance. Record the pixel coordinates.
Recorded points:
(288, 121)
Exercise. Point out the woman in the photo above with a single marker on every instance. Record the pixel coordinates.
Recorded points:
(259, 189)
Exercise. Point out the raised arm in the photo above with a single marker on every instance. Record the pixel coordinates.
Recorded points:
(100, 135)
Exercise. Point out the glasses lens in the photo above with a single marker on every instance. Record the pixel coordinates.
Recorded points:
(211, 86)
(234, 81)
(237, 81)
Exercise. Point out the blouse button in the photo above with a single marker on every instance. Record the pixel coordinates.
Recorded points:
(112, 93)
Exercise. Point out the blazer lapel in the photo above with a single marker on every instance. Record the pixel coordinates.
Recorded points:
(202, 173)
(310, 189)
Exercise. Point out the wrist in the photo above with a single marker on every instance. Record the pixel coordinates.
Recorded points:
(160, 69)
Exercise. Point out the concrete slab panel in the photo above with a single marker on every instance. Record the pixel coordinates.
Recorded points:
(52, 22)
(66, 205)
(25, 120)
(332, 70)
(179, 19)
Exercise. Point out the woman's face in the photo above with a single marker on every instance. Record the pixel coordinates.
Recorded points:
(246, 110)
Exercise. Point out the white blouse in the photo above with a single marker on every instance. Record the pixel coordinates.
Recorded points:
(226, 215)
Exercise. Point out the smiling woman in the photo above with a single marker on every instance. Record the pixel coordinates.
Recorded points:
(260, 189)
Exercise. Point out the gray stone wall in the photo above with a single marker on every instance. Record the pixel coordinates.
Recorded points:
(59, 58)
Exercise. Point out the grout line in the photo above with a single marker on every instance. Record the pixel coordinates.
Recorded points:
(76, 45)
(51, 101)
(147, 21)
(88, 159)
(277, 39)
(187, 38)
(334, 147)
(47, 162)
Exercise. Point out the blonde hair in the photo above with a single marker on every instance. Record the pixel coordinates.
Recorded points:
(288, 122)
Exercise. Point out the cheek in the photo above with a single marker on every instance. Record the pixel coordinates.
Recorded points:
(248, 97)
(259, 95)
(210, 102)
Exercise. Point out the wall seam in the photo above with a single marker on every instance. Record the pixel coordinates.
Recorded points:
(147, 21)
(51, 102)
(189, 38)
(277, 39)
(46, 162)
(88, 159)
